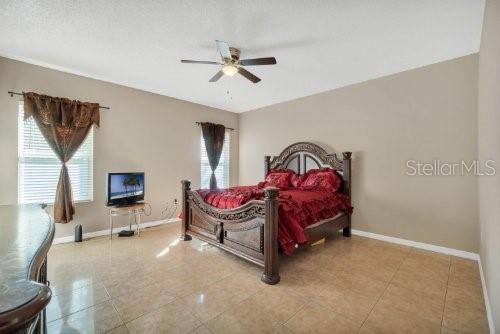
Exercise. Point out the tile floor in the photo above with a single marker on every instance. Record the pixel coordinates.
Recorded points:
(157, 284)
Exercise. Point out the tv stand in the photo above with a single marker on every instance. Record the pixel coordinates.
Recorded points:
(131, 210)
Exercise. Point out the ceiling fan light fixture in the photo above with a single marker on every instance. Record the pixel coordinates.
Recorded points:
(229, 69)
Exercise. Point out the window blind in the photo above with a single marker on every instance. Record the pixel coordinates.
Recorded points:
(222, 171)
(39, 167)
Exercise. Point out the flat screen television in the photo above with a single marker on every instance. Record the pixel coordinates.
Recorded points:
(125, 188)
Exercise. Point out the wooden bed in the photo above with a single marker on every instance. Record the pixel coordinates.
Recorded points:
(250, 231)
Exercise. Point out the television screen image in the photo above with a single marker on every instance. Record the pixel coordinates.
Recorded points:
(125, 187)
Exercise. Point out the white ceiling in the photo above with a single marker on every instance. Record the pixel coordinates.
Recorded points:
(319, 45)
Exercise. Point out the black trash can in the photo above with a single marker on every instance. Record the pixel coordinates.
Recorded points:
(78, 233)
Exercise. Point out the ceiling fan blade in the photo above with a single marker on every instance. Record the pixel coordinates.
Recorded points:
(199, 62)
(223, 48)
(248, 75)
(258, 61)
(217, 76)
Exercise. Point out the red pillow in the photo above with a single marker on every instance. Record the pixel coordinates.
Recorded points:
(322, 179)
(280, 178)
(295, 180)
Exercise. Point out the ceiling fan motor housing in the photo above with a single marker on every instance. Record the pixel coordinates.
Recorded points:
(235, 53)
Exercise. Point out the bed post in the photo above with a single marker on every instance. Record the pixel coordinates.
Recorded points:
(271, 259)
(346, 176)
(186, 187)
(267, 161)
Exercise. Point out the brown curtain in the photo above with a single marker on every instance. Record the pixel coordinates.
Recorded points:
(64, 124)
(213, 135)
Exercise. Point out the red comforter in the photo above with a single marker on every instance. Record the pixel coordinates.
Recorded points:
(297, 208)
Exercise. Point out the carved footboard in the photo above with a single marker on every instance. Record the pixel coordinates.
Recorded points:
(249, 231)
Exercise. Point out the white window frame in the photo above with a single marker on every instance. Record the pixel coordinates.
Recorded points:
(223, 169)
(24, 157)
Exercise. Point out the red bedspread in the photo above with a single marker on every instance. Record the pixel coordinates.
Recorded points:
(297, 208)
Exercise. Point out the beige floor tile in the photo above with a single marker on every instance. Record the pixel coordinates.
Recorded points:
(282, 329)
(363, 285)
(184, 281)
(389, 254)
(369, 265)
(435, 268)
(279, 304)
(127, 284)
(348, 293)
(170, 318)
(246, 317)
(465, 274)
(73, 301)
(63, 270)
(427, 268)
(319, 318)
(425, 305)
(306, 283)
(119, 330)
(97, 319)
(386, 319)
(390, 248)
(184, 287)
(69, 277)
(311, 261)
(145, 300)
(105, 271)
(350, 304)
(201, 330)
(426, 255)
(445, 330)
(62, 286)
(420, 278)
(211, 301)
(242, 283)
(199, 282)
(465, 311)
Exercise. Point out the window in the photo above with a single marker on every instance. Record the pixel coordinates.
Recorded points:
(39, 167)
(222, 171)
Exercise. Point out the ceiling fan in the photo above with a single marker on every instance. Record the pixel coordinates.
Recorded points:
(232, 64)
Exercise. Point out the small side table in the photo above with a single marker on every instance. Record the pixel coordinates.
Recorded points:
(134, 210)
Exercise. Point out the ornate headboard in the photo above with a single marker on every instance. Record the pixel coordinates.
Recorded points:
(304, 156)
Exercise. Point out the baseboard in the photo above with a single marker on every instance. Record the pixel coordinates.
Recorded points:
(421, 245)
(489, 313)
(88, 235)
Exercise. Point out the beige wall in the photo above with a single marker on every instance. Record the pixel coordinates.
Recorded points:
(421, 114)
(489, 148)
(424, 114)
(141, 132)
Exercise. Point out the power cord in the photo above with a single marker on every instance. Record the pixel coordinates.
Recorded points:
(148, 212)
(170, 210)
(167, 213)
